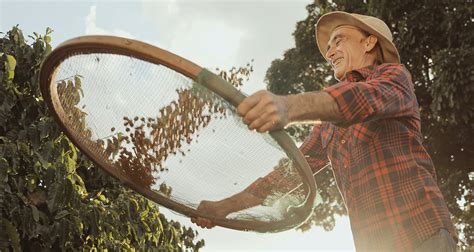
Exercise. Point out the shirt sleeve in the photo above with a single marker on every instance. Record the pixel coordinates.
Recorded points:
(279, 179)
(389, 95)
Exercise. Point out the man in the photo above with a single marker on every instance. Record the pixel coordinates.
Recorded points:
(370, 134)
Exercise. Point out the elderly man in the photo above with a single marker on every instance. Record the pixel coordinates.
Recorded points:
(370, 134)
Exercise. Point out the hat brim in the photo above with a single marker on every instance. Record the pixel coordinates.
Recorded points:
(330, 21)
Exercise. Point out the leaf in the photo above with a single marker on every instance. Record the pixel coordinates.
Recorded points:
(35, 213)
(135, 205)
(61, 214)
(48, 30)
(53, 197)
(78, 180)
(70, 164)
(48, 49)
(10, 66)
(31, 180)
(73, 150)
(13, 235)
(144, 214)
(146, 227)
(103, 198)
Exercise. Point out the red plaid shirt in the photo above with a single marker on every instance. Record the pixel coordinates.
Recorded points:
(384, 173)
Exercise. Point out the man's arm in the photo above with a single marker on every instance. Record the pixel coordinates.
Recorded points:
(390, 94)
(315, 155)
(256, 192)
(264, 111)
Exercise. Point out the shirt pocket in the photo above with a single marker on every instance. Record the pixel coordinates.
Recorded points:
(327, 131)
(363, 133)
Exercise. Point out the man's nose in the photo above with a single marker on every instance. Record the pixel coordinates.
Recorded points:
(329, 53)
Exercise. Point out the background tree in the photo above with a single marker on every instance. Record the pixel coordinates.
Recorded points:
(435, 41)
(52, 197)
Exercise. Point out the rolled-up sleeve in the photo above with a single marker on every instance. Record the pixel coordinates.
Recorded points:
(390, 94)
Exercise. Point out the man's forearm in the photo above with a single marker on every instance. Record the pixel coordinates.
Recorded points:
(264, 111)
(237, 202)
(312, 106)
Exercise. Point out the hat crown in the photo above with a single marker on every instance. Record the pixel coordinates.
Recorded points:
(376, 24)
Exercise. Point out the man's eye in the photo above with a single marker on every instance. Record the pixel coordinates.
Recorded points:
(338, 42)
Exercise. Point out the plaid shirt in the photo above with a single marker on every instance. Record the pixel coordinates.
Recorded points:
(384, 173)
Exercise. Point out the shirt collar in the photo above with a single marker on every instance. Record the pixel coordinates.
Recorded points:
(361, 73)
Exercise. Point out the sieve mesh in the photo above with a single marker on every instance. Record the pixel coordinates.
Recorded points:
(165, 132)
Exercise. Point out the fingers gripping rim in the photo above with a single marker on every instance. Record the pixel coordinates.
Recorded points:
(143, 51)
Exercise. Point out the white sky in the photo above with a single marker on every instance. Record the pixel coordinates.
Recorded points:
(210, 33)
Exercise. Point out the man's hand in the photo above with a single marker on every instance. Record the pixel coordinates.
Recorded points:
(264, 111)
(213, 208)
(220, 209)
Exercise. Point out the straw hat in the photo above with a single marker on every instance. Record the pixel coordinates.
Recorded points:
(330, 21)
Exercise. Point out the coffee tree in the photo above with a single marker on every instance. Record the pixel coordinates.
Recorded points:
(51, 196)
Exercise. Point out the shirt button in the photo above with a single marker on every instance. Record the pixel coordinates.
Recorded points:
(343, 141)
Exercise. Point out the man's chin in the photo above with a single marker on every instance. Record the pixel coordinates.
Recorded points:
(339, 77)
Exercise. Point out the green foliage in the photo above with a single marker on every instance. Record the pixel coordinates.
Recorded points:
(52, 197)
(435, 41)
(451, 105)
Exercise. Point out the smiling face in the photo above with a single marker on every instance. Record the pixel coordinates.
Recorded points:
(349, 49)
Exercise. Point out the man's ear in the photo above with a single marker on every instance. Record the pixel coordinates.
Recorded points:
(370, 43)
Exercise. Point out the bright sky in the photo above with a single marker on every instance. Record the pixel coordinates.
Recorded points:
(210, 33)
